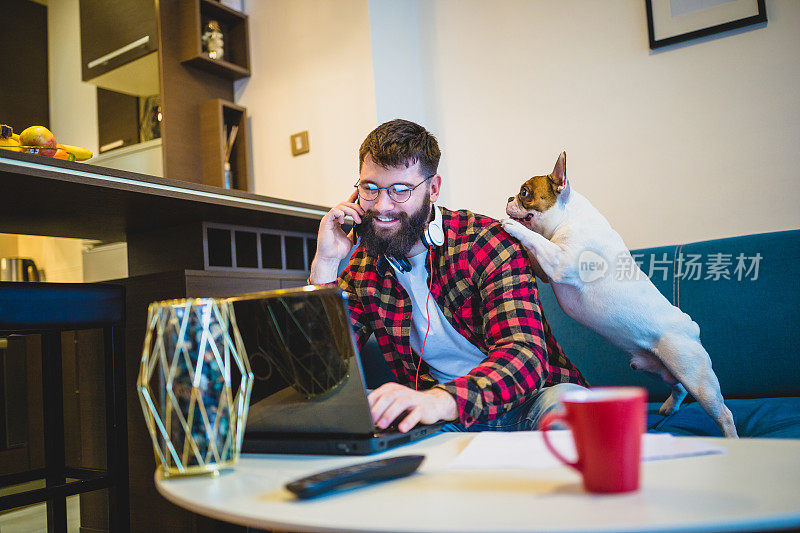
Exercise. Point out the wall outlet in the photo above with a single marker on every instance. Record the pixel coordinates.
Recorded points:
(300, 143)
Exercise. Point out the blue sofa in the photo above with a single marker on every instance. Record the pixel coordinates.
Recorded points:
(744, 293)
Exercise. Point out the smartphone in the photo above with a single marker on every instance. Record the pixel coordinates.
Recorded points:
(356, 227)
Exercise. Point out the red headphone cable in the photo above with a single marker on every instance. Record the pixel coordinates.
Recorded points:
(427, 317)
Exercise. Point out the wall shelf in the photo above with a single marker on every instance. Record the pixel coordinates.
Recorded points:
(217, 118)
(235, 63)
(220, 67)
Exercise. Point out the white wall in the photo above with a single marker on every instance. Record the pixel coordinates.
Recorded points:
(311, 70)
(400, 44)
(694, 142)
(400, 85)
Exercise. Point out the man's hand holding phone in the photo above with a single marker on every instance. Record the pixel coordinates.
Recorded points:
(333, 244)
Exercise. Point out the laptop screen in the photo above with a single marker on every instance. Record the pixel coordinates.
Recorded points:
(308, 376)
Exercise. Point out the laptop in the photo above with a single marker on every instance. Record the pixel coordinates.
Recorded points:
(309, 394)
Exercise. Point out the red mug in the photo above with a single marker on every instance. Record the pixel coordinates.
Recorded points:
(607, 425)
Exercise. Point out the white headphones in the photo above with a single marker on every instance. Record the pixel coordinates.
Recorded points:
(433, 236)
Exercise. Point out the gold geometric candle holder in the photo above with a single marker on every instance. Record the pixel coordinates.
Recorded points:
(192, 359)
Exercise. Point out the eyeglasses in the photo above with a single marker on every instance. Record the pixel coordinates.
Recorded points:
(398, 192)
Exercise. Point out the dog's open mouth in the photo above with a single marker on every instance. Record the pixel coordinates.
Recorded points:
(526, 218)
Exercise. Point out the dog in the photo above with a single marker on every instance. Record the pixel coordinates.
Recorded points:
(560, 228)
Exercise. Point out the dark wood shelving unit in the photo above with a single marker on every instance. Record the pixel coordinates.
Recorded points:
(217, 117)
(235, 63)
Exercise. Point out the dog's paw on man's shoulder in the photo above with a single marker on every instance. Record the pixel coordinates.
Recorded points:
(513, 227)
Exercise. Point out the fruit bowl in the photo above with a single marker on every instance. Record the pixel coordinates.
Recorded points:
(60, 154)
(40, 141)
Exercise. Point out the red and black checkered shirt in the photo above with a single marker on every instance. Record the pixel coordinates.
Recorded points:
(484, 285)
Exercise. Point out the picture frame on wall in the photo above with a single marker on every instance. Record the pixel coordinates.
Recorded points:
(675, 21)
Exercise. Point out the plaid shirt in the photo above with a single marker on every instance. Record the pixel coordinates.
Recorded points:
(485, 288)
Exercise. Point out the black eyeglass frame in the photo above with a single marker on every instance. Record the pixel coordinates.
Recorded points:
(389, 189)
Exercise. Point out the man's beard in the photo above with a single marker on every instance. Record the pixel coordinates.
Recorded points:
(402, 240)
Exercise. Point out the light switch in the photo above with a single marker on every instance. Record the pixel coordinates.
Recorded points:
(300, 143)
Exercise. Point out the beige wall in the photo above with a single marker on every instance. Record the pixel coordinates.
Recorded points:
(695, 142)
(9, 245)
(311, 70)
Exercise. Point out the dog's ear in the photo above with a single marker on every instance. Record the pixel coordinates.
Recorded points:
(559, 175)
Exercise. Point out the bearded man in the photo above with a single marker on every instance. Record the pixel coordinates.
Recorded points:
(462, 296)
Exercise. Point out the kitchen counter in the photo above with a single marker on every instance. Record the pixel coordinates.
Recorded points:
(44, 196)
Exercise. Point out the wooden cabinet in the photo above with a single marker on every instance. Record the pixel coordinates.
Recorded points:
(25, 98)
(117, 119)
(115, 32)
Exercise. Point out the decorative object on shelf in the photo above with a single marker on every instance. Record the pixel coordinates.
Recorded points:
(204, 25)
(213, 41)
(671, 22)
(193, 356)
(228, 180)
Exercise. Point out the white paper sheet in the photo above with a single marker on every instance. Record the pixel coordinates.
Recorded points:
(526, 449)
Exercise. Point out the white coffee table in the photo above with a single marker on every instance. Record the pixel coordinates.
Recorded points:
(754, 485)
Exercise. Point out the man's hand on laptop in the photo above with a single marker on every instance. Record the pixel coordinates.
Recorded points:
(391, 400)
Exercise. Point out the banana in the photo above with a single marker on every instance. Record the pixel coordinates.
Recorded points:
(8, 140)
(81, 154)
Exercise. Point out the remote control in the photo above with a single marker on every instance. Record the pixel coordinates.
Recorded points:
(320, 483)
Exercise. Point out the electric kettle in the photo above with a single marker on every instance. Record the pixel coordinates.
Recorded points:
(18, 269)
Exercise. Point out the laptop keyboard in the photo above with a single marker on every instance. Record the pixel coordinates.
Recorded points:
(391, 428)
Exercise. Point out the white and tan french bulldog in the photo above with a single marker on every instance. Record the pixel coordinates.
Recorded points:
(575, 247)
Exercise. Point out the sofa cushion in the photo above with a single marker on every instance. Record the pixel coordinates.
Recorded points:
(749, 323)
(757, 417)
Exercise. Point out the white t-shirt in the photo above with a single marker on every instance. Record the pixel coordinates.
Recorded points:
(447, 352)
